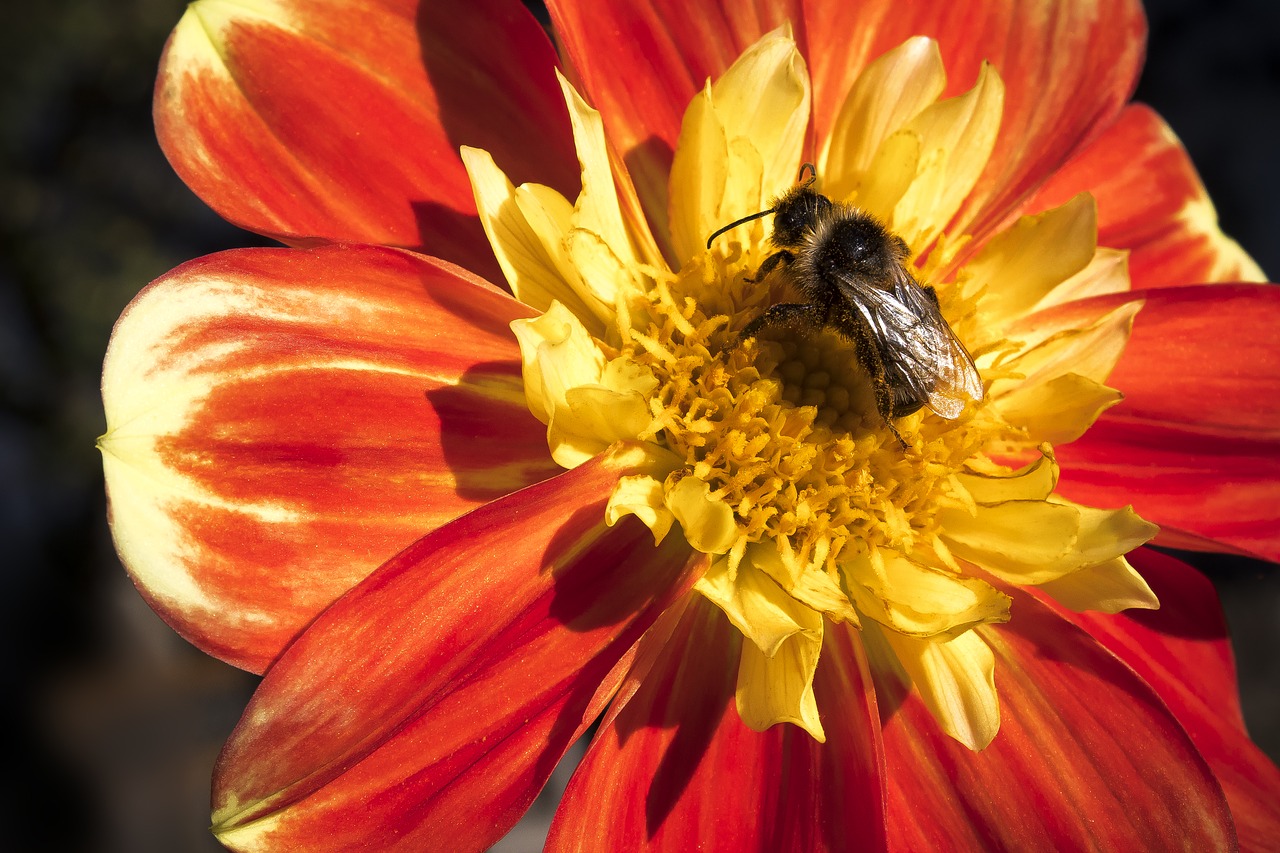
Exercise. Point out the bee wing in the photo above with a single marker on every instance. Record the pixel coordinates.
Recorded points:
(920, 352)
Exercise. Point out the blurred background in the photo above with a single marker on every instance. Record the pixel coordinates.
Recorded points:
(114, 722)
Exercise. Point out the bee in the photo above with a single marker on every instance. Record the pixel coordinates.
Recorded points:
(852, 272)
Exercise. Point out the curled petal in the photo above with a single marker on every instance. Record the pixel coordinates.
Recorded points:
(323, 120)
(281, 420)
(366, 734)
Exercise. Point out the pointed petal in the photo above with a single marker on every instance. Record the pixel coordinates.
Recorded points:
(1195, 446)
(677, 770)
(1151, 202)
(327, 121)
(280, 421)
(366, 733)
(1087, 757)
(1183, 651)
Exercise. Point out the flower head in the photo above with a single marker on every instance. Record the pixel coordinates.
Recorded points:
(814, 551)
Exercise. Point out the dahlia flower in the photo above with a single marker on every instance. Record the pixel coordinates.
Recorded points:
(503, 447)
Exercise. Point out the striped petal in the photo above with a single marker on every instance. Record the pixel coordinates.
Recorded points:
(1195, 446)
(425, 709)
(1151, 202)
(1183, 651)
(677, 770)
(281, 421)
(335, 121)
(1087, 757)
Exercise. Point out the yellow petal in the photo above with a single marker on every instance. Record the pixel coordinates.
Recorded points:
(956, 680)
(557, 353)
(891, 91)
(811, 587)
(528, 250)
(1108, 587)
(740, 142)
(779, 688)
(642, 496)
(1108, 533)
(890, 175)
(1092, 350)
(597, 209)
(1108, 272)
(1024, 263)
(709, 525)
(1033, 542)
(757, 606)
(1059, 410)
(1026, 542)
(956, 136)
(921, 601)
(1034, 482)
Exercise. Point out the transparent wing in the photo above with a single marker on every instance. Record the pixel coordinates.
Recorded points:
(923, 360)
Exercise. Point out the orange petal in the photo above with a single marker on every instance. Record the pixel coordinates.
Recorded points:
(281, 421)
(1182, 651)
(1150, 201)
(1087, 757)
(677, 770)
(425, 709)
(1068, 69)
(332, 121)
(1195, 445)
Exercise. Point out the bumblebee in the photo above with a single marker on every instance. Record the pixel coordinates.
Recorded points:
(852, 272)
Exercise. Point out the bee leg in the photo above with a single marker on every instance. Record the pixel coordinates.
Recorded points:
(796, 316)
(782, 256)
(853, 326)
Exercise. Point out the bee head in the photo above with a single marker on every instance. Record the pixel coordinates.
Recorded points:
(795, 214)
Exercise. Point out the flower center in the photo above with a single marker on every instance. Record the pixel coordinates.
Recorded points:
(783, 426)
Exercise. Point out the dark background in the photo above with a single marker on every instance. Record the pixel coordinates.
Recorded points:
(113, 722)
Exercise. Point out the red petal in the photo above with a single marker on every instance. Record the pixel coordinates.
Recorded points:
(677, 769)
(1195, 446)
(1150, 201)
(425, 709)
(282, 421)
(1087, 758)
(1182, 651)
(1068, 68)
(342, 122)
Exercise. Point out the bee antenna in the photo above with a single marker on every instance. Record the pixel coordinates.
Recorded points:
(733, 225)
(813, 174)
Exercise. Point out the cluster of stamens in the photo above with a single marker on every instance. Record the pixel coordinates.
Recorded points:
(784, 428)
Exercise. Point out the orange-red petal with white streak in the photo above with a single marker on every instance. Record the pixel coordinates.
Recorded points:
(1151, 202)
(1067, 67)
(1183, 651)
(281, 421)
(677, 770)
(1087, 757)
(1195, 445)
(341, 121)
(425, 709)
